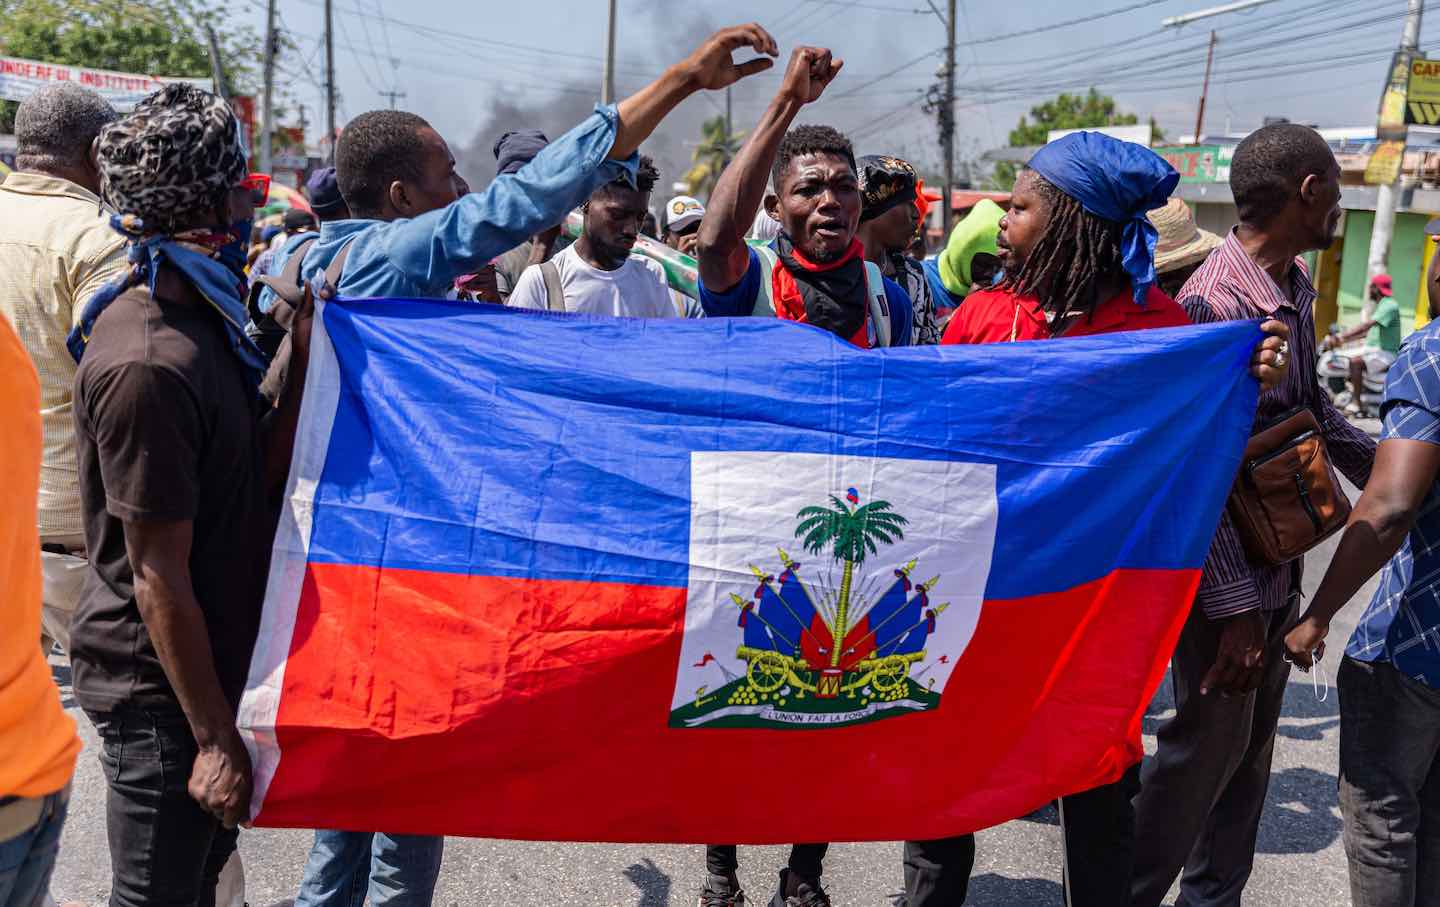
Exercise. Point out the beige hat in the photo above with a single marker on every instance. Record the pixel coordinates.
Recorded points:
(1181, 242)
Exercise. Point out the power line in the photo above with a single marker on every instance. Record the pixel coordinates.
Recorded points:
(856, 4)
(901, 68)
(473, 39)
(1055, 26)
(1170, 61)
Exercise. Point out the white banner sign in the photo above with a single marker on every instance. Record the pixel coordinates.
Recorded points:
(21, 78)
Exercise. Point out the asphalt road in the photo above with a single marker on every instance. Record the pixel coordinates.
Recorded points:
(1300, 860)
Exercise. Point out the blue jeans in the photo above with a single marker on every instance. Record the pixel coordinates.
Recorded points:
(396, 870)
(29, 839)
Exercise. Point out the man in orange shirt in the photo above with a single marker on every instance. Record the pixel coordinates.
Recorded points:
(1078, 253)
(37, 738)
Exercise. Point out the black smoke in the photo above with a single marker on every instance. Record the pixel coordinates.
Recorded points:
(557, 105)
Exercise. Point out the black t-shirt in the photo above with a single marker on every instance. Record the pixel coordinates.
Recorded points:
(166, 428)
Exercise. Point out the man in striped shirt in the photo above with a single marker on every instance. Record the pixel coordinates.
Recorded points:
(1201, 796)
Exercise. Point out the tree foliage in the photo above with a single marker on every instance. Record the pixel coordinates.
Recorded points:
(851, 532)
(715, 151)
(1066, 111)
(153, 37)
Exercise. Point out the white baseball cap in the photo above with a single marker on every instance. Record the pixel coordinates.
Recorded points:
(682, 211)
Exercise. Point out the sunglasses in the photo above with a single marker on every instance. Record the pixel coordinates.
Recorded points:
(258, 185)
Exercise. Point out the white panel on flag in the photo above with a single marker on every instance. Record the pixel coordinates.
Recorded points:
(828, 590)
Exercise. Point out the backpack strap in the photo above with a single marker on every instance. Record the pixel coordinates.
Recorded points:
(335, 270)
(286, 285)
(554, 295)
(274, 378)
(881, 329)
(764, 296)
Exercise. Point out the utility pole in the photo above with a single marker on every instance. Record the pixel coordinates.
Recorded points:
(1186, 19)
(304, 141)
(392, 95)
(330, 80)
(267, 111)
(940, 100)
(1204, 89)
(217, 69)
(947, 126)
(1387, 198)
(607, 83)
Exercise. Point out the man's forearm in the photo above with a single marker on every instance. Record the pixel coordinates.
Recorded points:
(1357, 332)
(1374, 532)
(178, 631)
(642, 112)
(720, 243)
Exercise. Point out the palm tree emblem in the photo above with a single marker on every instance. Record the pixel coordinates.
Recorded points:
(852, 532)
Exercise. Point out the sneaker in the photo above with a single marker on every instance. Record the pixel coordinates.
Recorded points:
(722, 891)
(801, 892)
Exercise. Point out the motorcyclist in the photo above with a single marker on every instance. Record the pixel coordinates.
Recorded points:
(1382, 340)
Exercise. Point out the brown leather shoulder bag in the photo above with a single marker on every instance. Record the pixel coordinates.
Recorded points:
(1287, 498)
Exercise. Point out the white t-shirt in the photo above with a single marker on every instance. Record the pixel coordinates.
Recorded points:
(636, 289)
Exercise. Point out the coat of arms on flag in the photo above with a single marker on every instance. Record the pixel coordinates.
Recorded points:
(828, 591)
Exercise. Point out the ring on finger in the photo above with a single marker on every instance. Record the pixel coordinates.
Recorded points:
(1280, 359)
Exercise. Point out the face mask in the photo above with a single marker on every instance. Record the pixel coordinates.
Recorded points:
(233, 253)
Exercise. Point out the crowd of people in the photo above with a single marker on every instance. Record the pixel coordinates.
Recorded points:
(154, 363)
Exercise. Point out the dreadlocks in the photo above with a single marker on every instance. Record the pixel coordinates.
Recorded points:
(1075, 254)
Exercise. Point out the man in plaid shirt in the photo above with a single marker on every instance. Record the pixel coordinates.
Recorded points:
(1389, 678)
(1202, 793)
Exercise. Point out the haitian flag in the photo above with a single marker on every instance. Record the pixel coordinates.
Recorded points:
(556, 577)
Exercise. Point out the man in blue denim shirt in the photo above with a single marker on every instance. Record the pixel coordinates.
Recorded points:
(1389, 677)
(414, 228)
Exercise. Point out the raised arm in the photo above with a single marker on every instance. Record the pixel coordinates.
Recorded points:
(720, 249)
(438, 246)
(710, 67)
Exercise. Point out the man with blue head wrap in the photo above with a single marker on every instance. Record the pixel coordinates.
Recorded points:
(1078, 252)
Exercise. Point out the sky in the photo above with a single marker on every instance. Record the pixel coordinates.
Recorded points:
(477, 69)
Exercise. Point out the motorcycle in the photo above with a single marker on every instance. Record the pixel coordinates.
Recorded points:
(1334, 372)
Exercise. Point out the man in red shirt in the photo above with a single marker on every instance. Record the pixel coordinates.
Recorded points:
(1078, 253)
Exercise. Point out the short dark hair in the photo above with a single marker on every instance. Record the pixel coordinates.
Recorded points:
(810, 139)
(374, 150)
(646, 176)
(55, 126)
(1269, 166)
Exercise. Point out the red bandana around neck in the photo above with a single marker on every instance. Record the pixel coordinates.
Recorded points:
(833, 296)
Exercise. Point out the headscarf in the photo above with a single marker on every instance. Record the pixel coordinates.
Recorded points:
(1118, 181)
(177, 155)
(885, 182)
(975, 233)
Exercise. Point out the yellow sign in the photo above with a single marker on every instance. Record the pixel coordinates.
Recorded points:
(1384, 166)
(1423, 97)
